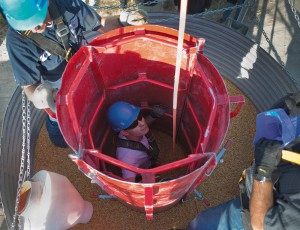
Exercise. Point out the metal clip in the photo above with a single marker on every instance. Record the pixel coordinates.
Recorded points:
(68, 55)
(62, 31)
(198, 196)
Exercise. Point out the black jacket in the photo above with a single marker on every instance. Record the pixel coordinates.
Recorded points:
(195, 6)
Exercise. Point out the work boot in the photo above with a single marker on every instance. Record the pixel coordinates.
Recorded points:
(54, 134)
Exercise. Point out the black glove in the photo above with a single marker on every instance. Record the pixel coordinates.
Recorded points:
(267, 156)
(158, 111)
(290, 103)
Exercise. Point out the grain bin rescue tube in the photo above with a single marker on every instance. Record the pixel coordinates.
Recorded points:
(137, 65)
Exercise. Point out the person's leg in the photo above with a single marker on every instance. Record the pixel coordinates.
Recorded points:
(238, 10)
(54, 133)
(226, 216)
(123, 4)
(227, 12)
(52, 127)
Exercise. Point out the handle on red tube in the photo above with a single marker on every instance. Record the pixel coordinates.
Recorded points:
(50, 113)
(239, 100)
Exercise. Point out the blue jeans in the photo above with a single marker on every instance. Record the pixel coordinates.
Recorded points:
(226, 216)
(54, 133)
(228, 12)
(123, 3)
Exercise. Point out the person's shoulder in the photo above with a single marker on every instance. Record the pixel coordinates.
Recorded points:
(69, 4)
(62, 4)
(13, 38)
(72, 7)
(11, 33)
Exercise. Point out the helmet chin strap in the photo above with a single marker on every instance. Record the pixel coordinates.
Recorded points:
(48, 20)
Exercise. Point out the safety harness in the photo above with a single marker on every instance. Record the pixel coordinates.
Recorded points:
(245, 186)
(152, 151)
(61, 31)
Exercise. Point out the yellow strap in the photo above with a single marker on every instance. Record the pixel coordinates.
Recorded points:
(243, 176)
(27, 32)
(68, 55)
(291, 156)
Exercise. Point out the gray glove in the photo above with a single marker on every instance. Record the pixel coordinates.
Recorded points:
(158, 111)
(267, 156)
(134, 18)
(44, 97)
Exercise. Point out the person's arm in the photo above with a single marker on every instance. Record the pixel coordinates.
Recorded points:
(208, 4)
(177, 4)
(289, 103)
(29, 91)
(109, 23)
(267, 156)
(261, 201)
(157, 112)
(126, 18)
(41, 95)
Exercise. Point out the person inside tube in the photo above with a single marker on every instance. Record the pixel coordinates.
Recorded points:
(269, 189)
(135, 142)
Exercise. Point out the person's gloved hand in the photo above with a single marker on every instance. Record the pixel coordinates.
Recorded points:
(44, 97)
(290, 103)
(134, 18)
(267, 156)
(158, 111)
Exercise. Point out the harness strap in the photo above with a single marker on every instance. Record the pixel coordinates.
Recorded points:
(153, 147)
(129, 144)
(61, 32)
(152, 152)
(45, 43)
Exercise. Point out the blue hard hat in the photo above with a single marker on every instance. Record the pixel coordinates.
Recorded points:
(24, 14)
(121, 115)
(275, 124)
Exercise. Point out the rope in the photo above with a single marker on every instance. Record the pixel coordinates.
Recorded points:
(183, 9)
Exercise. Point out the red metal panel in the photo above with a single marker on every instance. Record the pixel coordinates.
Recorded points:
(137, 64)
(164, 194)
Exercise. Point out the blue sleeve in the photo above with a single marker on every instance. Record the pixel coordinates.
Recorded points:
(284, 214)
(89, 19)
(127, 156)
(24, 57)
(286, 210)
